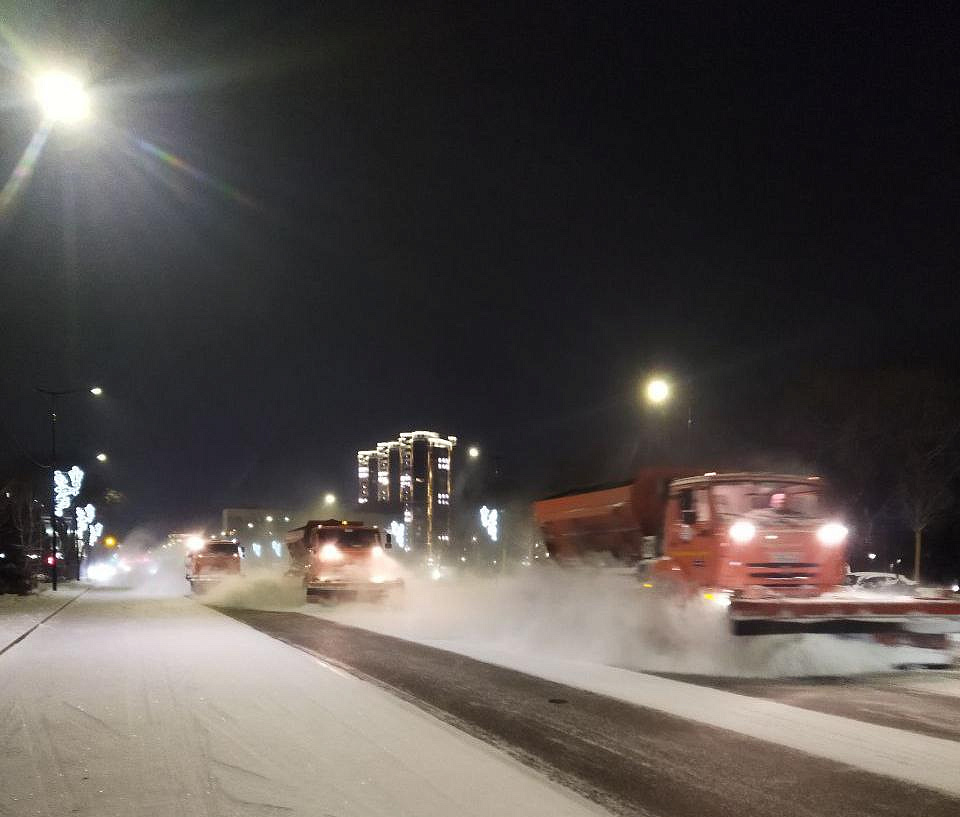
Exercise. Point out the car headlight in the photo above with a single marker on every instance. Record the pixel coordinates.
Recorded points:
(742, 532)
(376, 550)
(330, 553)
(101, 572)
(833, 533)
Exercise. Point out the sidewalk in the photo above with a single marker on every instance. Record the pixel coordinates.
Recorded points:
(18, 614)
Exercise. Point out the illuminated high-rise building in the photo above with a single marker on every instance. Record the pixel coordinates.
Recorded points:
(411, 476)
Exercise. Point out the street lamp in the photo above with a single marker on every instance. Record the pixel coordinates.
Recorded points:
(657, 391)
(101, 457)
(96, 391)
(329, 499)
(62, 97)
(473, 452)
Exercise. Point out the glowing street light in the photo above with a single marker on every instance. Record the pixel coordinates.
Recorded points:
(96, 391)
(329, 499)
(473, 452)
(101, 457)
(657, 391)
(62, 97)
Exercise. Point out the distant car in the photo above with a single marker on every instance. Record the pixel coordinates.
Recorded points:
(891, 582)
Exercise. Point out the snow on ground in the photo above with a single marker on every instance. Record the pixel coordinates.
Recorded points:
(141, 705)
(19, 613)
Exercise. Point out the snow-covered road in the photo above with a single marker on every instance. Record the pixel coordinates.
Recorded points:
(124, 704)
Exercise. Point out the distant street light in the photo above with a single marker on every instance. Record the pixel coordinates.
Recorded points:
(473, 452)
(101, 457)
(96, 391)
(329, 499)
(62, 97)
(871, 556)
(657, 391)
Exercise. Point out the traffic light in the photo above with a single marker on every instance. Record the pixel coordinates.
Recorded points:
(110, 541)
(52, 560)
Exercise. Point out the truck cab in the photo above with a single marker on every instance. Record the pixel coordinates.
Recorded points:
(752, 535)
(341, 558)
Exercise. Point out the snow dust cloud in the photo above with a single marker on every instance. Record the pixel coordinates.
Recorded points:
(599, 616)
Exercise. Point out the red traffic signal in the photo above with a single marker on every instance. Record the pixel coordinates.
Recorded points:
(51, 560)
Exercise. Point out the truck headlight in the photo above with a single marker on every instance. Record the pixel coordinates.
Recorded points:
(833, 533)
(330, 553)
(742, 532)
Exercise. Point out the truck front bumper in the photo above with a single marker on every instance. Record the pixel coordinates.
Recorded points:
(338, 586)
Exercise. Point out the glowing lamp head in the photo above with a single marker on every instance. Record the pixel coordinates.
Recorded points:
(330, 553)
(329, 499)
(101, 457)
(833, 533)
(473, 452)
(742, 531)
(96, 391)
(62, 98)
(657, 391)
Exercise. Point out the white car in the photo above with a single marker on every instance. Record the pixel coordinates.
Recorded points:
(880, 581)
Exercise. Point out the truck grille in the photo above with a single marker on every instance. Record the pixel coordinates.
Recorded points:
(782, 576)
(783, 564)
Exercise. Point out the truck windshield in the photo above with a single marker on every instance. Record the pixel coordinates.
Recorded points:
(221, 548)
(781, 501)
(350, 537)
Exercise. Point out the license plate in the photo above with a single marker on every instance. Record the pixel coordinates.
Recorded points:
(788, 557)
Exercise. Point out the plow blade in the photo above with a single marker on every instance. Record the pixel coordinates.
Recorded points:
(844, 616)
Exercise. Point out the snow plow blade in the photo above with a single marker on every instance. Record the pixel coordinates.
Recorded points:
(844, 616)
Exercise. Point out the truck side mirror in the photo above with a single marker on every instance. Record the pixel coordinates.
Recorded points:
(688, 517)
(388, 543)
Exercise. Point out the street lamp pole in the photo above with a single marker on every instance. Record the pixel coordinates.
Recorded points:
(53, 394)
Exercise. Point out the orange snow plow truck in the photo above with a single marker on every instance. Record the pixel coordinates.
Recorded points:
(768, 547)
(338, 559)
(209, 562)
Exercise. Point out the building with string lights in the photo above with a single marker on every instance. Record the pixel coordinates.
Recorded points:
(411, 477)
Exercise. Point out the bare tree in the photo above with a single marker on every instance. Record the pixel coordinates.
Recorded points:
(20, 519)
(928, 462)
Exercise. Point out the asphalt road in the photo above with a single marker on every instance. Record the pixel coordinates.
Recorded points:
(629, 759)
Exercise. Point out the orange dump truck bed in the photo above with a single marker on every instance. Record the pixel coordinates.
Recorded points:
(610, 519)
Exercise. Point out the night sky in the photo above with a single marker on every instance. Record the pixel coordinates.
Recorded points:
(292, 230)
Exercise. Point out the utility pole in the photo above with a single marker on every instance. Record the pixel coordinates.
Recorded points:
(52, 559)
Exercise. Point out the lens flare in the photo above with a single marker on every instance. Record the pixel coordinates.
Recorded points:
(170, 159)
(23, 171)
